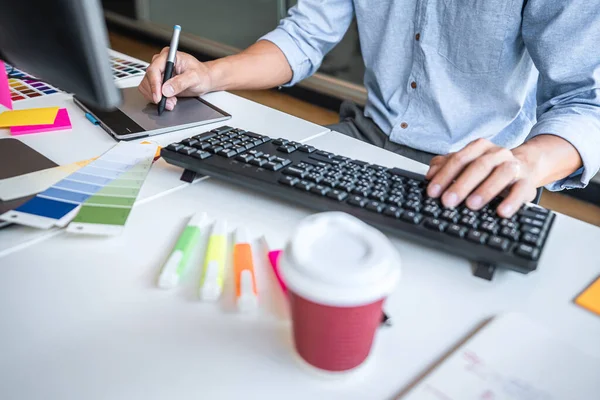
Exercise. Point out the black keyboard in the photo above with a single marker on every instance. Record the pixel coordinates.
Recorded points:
(391, 199)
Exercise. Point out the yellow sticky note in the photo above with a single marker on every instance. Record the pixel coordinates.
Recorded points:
(32, 116)
(590, 298)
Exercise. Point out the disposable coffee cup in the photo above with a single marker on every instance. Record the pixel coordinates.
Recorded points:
(339, 272)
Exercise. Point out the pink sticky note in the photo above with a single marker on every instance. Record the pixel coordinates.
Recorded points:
(274, 261)
(62, 121)
(5, 98)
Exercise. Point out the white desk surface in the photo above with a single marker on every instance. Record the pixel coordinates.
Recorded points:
(83, 319)
(86, 140)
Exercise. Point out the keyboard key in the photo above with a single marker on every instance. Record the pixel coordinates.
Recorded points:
(375, 206)
(187, 150)
(283, 161)
(175, 146)
(320, 189)
(286, 149)
(202, 145)
(293, 171)
(317, 157)
(256, 142)
(531, 221)
(259, 162)
(330, 182)
(533, 240)
(215, 149)
(413, 205)
(227, 153)
(393, 211)
(255, 153)
(222, 129)
(432, 211)
(534, 230)
(273, 166)
(450, 215)
(435, 224)
(346, 186)
(489, 227)
(477, 236)
(508, 223)
(201, 155)
(457, 230)
(527, 251)
(358, 201)
(512, 234)
(307, 149)
(239, 149)
(338, 195)
(304, 185)
(190, 141)
(471, 222)
(378, 195)
(253, 135)
(226, 145)
(395, 200)
(245, 157)
(280, 142)
(533, 214)
(324, 154)
(498, 243)
(411, 217)
(289, 180)
(314, 177)
(205, 136)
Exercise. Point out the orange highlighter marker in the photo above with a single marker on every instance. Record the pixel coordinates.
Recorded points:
(245, 281)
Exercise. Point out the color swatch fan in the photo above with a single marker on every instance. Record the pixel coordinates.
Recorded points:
(103, 192)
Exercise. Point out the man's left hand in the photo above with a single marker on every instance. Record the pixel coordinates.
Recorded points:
(480, 172)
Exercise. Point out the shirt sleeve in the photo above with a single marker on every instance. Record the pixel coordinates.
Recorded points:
(562, 38)
(311, 29)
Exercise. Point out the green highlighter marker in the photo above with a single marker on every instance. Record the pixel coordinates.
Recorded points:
(184, 248)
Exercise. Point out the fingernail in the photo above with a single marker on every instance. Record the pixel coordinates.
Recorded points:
(434, 190)
(168, 90)
(507, 210)
(451, 199)
(475, 202)
(155, 97)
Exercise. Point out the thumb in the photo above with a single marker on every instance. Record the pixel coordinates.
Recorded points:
(179, 84)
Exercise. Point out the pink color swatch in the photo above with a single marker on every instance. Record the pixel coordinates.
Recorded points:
(274, 260)
(62, 121)
(5, 99)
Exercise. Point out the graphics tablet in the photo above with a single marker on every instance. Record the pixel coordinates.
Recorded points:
(136, 118)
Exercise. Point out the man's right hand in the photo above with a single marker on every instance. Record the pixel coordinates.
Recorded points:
(191, 78)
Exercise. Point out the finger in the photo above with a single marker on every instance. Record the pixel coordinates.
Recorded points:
(180, 83)
(502, 177)
(455, 164)
(171, 103)
(144, 88)
(473, 175)
(434, 166)
(154, 74)
(522, 191)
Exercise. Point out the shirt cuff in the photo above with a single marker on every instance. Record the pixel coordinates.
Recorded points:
(584, 134)
(299, 63)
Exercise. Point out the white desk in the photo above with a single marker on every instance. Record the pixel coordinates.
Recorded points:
(86, 140)
(82, 319)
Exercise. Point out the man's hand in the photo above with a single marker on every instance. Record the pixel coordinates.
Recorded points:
(191, 78)
(480, 172)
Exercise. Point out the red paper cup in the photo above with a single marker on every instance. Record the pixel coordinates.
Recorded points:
(338, 271)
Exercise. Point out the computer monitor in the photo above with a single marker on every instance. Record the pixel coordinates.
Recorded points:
(62, 42)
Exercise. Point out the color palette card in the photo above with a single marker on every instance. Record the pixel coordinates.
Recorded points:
(24, 86)
(5, 95)
(36, 182)
(59, 204)
(106, 212)
(62, 122)
(31, 116)
(590, 298)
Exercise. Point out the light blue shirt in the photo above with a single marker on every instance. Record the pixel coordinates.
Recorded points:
(474, 66)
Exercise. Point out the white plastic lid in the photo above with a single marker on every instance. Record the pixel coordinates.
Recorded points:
(336, 259)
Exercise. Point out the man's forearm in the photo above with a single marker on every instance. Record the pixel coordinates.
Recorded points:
(550, 157)
(261, 66)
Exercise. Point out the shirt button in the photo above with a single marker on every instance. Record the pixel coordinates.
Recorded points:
(413, 85)
(418, 37)
(404, 125)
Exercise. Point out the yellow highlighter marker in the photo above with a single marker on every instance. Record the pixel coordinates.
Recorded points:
(211, 281)
(245, 281)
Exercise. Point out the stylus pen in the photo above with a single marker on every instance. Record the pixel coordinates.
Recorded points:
(178, 261)
(243, 266)
(211, 281)
(170, 64)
